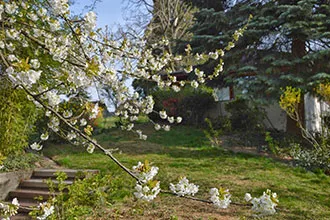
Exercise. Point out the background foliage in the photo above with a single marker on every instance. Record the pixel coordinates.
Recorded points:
(17, 118)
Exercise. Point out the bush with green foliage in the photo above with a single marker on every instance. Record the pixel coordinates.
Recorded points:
(244, 115)
(15, 162)
(17, 118)
(189, 103)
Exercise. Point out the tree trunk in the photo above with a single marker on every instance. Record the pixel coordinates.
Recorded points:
(298, 49)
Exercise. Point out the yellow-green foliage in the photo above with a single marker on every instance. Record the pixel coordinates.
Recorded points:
(290, 100)
(324, 91)
(17, 118)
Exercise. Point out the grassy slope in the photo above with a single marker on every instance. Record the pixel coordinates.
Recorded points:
(185, 152)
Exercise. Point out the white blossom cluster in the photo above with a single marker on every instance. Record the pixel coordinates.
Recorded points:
(146, 192)
(265, 204)
(145, 172)
(183, 187)
(36, 146)
(47, 210)
(9, 210)
(220, 199)
(148, 188)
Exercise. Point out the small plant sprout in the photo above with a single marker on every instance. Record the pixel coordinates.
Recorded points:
(184, 187)
(265, 204)
(220, 197)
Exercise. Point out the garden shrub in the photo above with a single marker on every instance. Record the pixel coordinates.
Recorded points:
(244, 115)
(213, 134)
(311, 159)
(15, 162)
(189, 103)
(17, 118)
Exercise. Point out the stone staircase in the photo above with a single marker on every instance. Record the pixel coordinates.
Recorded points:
(36, 186)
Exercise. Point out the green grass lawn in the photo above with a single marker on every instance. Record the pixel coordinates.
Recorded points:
(185, 151)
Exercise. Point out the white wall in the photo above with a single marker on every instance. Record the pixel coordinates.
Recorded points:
(276, 117)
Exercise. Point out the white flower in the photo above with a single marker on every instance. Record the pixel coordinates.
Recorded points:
(83, 122)
(67, 114)
(10, 47)
(10, 70)
(171, 119)
(71, 136)
(157, 127)
(143, 137)
(1, 11)
(145, 192)
(59, 6)
(15, 202)
(48, 113)
(199, 73)
(53, 98)
(247, 197)
(35, 64)
(10, 8)
(32, 16)
(95, 111)
(48, 210)
(144, 172)
(130, 126)
(194, 84)
(12, 58)
(36, 146)
(44, 136)
(188, 69)
(90, 148)
(54, 124)
(214, 55)
(176, 88)
(184, 187)
(265, 204)
(166, 127)
(42, 12)
(2, 44)
(220, 199)
(178, 120)
(163, 114)
(33, 76)
(90, 20)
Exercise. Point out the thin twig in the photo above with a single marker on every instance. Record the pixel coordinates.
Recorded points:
(201, 200)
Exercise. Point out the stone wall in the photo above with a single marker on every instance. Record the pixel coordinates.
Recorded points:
(9, 181)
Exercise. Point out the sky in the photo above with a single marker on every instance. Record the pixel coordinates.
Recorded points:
(109, 12)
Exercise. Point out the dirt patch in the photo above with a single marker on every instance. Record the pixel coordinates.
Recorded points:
(173, 208)
(46, 162)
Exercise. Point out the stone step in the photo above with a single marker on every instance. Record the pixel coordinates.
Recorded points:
(21, 216)
(40, 183)
(50, 173)
(29, 194)
(26, 207)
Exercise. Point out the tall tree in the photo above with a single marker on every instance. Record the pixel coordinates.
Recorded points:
(287, 43)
